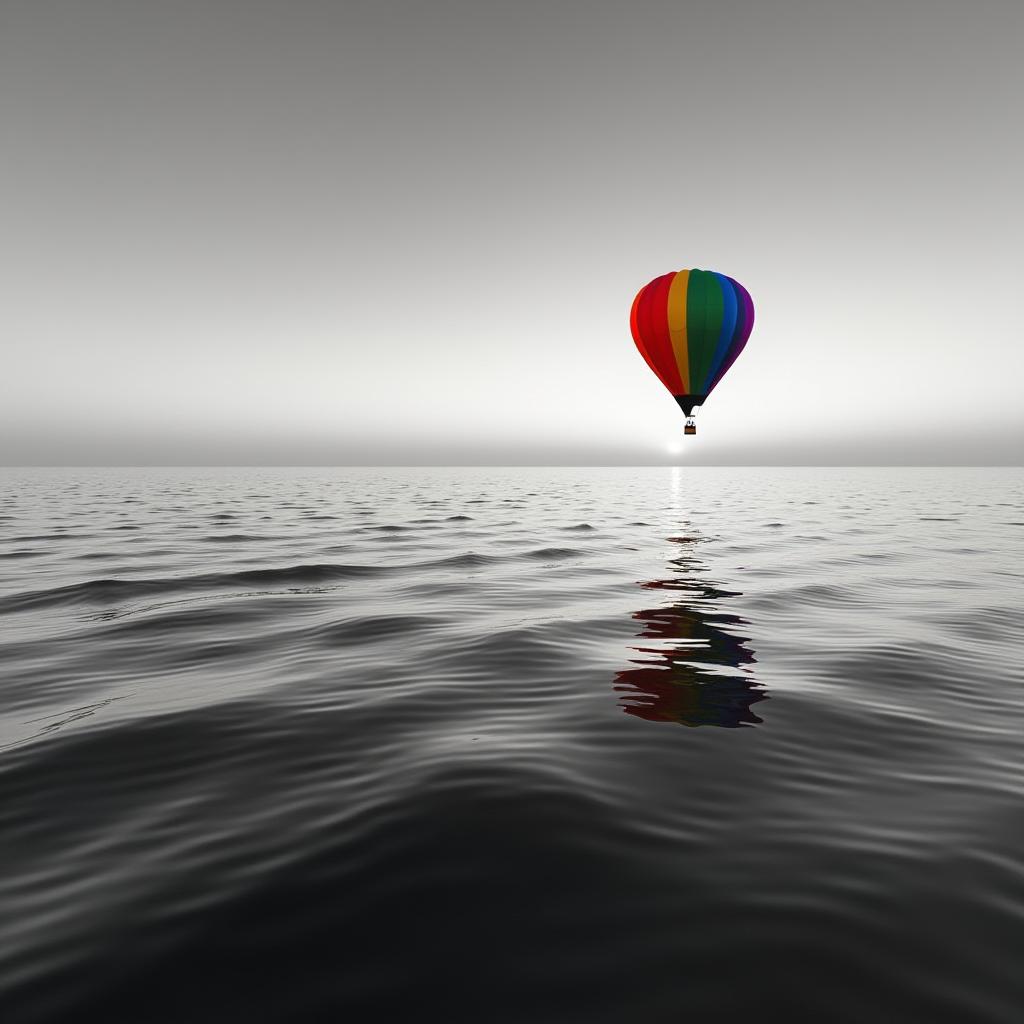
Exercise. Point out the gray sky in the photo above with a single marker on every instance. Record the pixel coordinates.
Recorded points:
(237, 231)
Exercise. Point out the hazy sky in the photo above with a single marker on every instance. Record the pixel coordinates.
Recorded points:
(359, 232)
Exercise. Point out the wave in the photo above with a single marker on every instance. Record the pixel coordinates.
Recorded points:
(362, 755)
(116, 591)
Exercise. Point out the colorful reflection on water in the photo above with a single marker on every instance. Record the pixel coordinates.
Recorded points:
(695, 669)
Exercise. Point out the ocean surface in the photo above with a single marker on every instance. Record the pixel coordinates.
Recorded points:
(512, 745)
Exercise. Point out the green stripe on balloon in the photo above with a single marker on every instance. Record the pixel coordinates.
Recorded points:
(705, 308)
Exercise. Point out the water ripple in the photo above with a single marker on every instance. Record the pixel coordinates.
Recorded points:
(355, 744)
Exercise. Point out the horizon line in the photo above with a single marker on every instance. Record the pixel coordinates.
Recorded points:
(511, 465)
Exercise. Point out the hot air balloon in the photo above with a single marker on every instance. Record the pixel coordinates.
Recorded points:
(690, 325)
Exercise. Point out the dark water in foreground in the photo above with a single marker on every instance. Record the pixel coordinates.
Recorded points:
(512, 745)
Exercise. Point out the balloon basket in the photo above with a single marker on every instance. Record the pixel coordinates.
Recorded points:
(690, 428)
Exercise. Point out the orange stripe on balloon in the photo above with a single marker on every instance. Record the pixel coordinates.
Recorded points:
(677, 326)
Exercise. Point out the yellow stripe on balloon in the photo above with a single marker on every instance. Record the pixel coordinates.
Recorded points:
(677, 325)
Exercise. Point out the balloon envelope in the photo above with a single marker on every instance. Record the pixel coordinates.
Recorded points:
(690, 325)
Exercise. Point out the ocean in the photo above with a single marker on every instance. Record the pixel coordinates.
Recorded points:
(512, 745)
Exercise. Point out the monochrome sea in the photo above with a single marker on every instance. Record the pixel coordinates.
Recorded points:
(512, 745)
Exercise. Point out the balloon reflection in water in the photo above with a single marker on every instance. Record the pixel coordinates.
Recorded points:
(698, 672)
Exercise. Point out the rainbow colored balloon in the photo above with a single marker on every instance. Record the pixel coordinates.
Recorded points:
(690, 325)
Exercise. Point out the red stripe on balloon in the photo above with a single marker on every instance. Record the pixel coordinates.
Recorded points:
(636, 331)
(652, 326)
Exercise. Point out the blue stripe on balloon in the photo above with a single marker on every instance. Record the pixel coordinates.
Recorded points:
(725, 336)
(744, 325)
